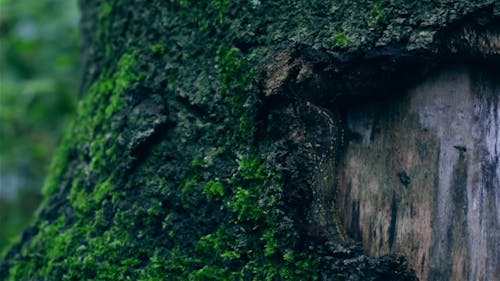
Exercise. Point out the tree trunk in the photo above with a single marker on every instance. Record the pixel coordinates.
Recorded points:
(277, 140)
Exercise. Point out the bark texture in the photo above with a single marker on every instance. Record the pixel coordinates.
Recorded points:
(213, 138)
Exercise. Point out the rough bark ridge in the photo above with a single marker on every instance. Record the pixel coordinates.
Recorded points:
(207, 138)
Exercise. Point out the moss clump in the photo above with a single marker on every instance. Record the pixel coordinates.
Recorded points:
(158, 49)
(94, 121)
(341, 40)
(214, 189)
(379, 15)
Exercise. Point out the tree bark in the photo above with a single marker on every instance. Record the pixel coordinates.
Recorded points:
(219, 140)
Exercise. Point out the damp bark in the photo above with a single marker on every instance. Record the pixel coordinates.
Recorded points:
(420, 175)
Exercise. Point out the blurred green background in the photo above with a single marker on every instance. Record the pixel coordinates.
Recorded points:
(39, 80)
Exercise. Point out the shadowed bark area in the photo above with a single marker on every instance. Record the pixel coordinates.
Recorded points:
(210, 136)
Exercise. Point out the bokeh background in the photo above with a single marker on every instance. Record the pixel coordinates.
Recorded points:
(39, 81)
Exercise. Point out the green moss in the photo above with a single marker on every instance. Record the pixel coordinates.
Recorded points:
(197, 162)
(341, 40)
(244, 205)
(379, 15)
(234, 75)
(80, 198)
(190, 185)
(251, 196)
(214, 189)
(288, 255)
(95, 125)
(105, 10)
(104, 26)
(126, 74)
(52, 243)
(92, 124)
(103, 189)
(271, 243)
(158, 49)
(251, 168)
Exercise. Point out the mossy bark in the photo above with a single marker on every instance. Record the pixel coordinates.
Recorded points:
(208, 136)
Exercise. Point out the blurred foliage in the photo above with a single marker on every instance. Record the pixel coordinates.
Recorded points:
(39, 80)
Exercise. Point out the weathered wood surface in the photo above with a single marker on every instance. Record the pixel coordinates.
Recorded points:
(421, 175)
